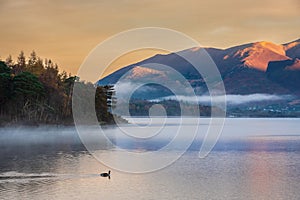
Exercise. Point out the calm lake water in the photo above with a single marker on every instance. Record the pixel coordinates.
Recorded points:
(253, 159)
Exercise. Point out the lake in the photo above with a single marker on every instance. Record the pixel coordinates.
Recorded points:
(253, 159)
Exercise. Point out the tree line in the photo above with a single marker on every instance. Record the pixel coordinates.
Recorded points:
(33, 91)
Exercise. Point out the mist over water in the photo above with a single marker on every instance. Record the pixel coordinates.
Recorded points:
(56, 135)
(254, 159)
(38, 135)
(231, 99)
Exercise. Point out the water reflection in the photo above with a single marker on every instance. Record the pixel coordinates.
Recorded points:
(255, 167)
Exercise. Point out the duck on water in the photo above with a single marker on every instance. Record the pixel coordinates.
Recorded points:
(105, 174)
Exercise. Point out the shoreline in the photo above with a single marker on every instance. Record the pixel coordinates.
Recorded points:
(124, 122)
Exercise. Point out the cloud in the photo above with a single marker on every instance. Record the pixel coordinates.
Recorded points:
(222, 30)
(123, 88)
(231, 99)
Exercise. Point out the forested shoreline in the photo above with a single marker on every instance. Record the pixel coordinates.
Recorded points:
(33, 91)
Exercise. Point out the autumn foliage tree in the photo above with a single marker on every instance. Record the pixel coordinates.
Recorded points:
(34, 91)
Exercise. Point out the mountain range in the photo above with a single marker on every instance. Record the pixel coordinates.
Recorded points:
(254, 68)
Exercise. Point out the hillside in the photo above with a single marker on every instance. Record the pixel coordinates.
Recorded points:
(244, 68)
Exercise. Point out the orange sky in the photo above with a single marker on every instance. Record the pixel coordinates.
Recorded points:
(66, 31)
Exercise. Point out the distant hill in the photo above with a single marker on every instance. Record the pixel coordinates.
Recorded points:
(244, 68)
(261, 79)
(285, 73)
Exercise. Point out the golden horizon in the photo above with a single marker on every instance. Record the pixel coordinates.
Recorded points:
(67, 32)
